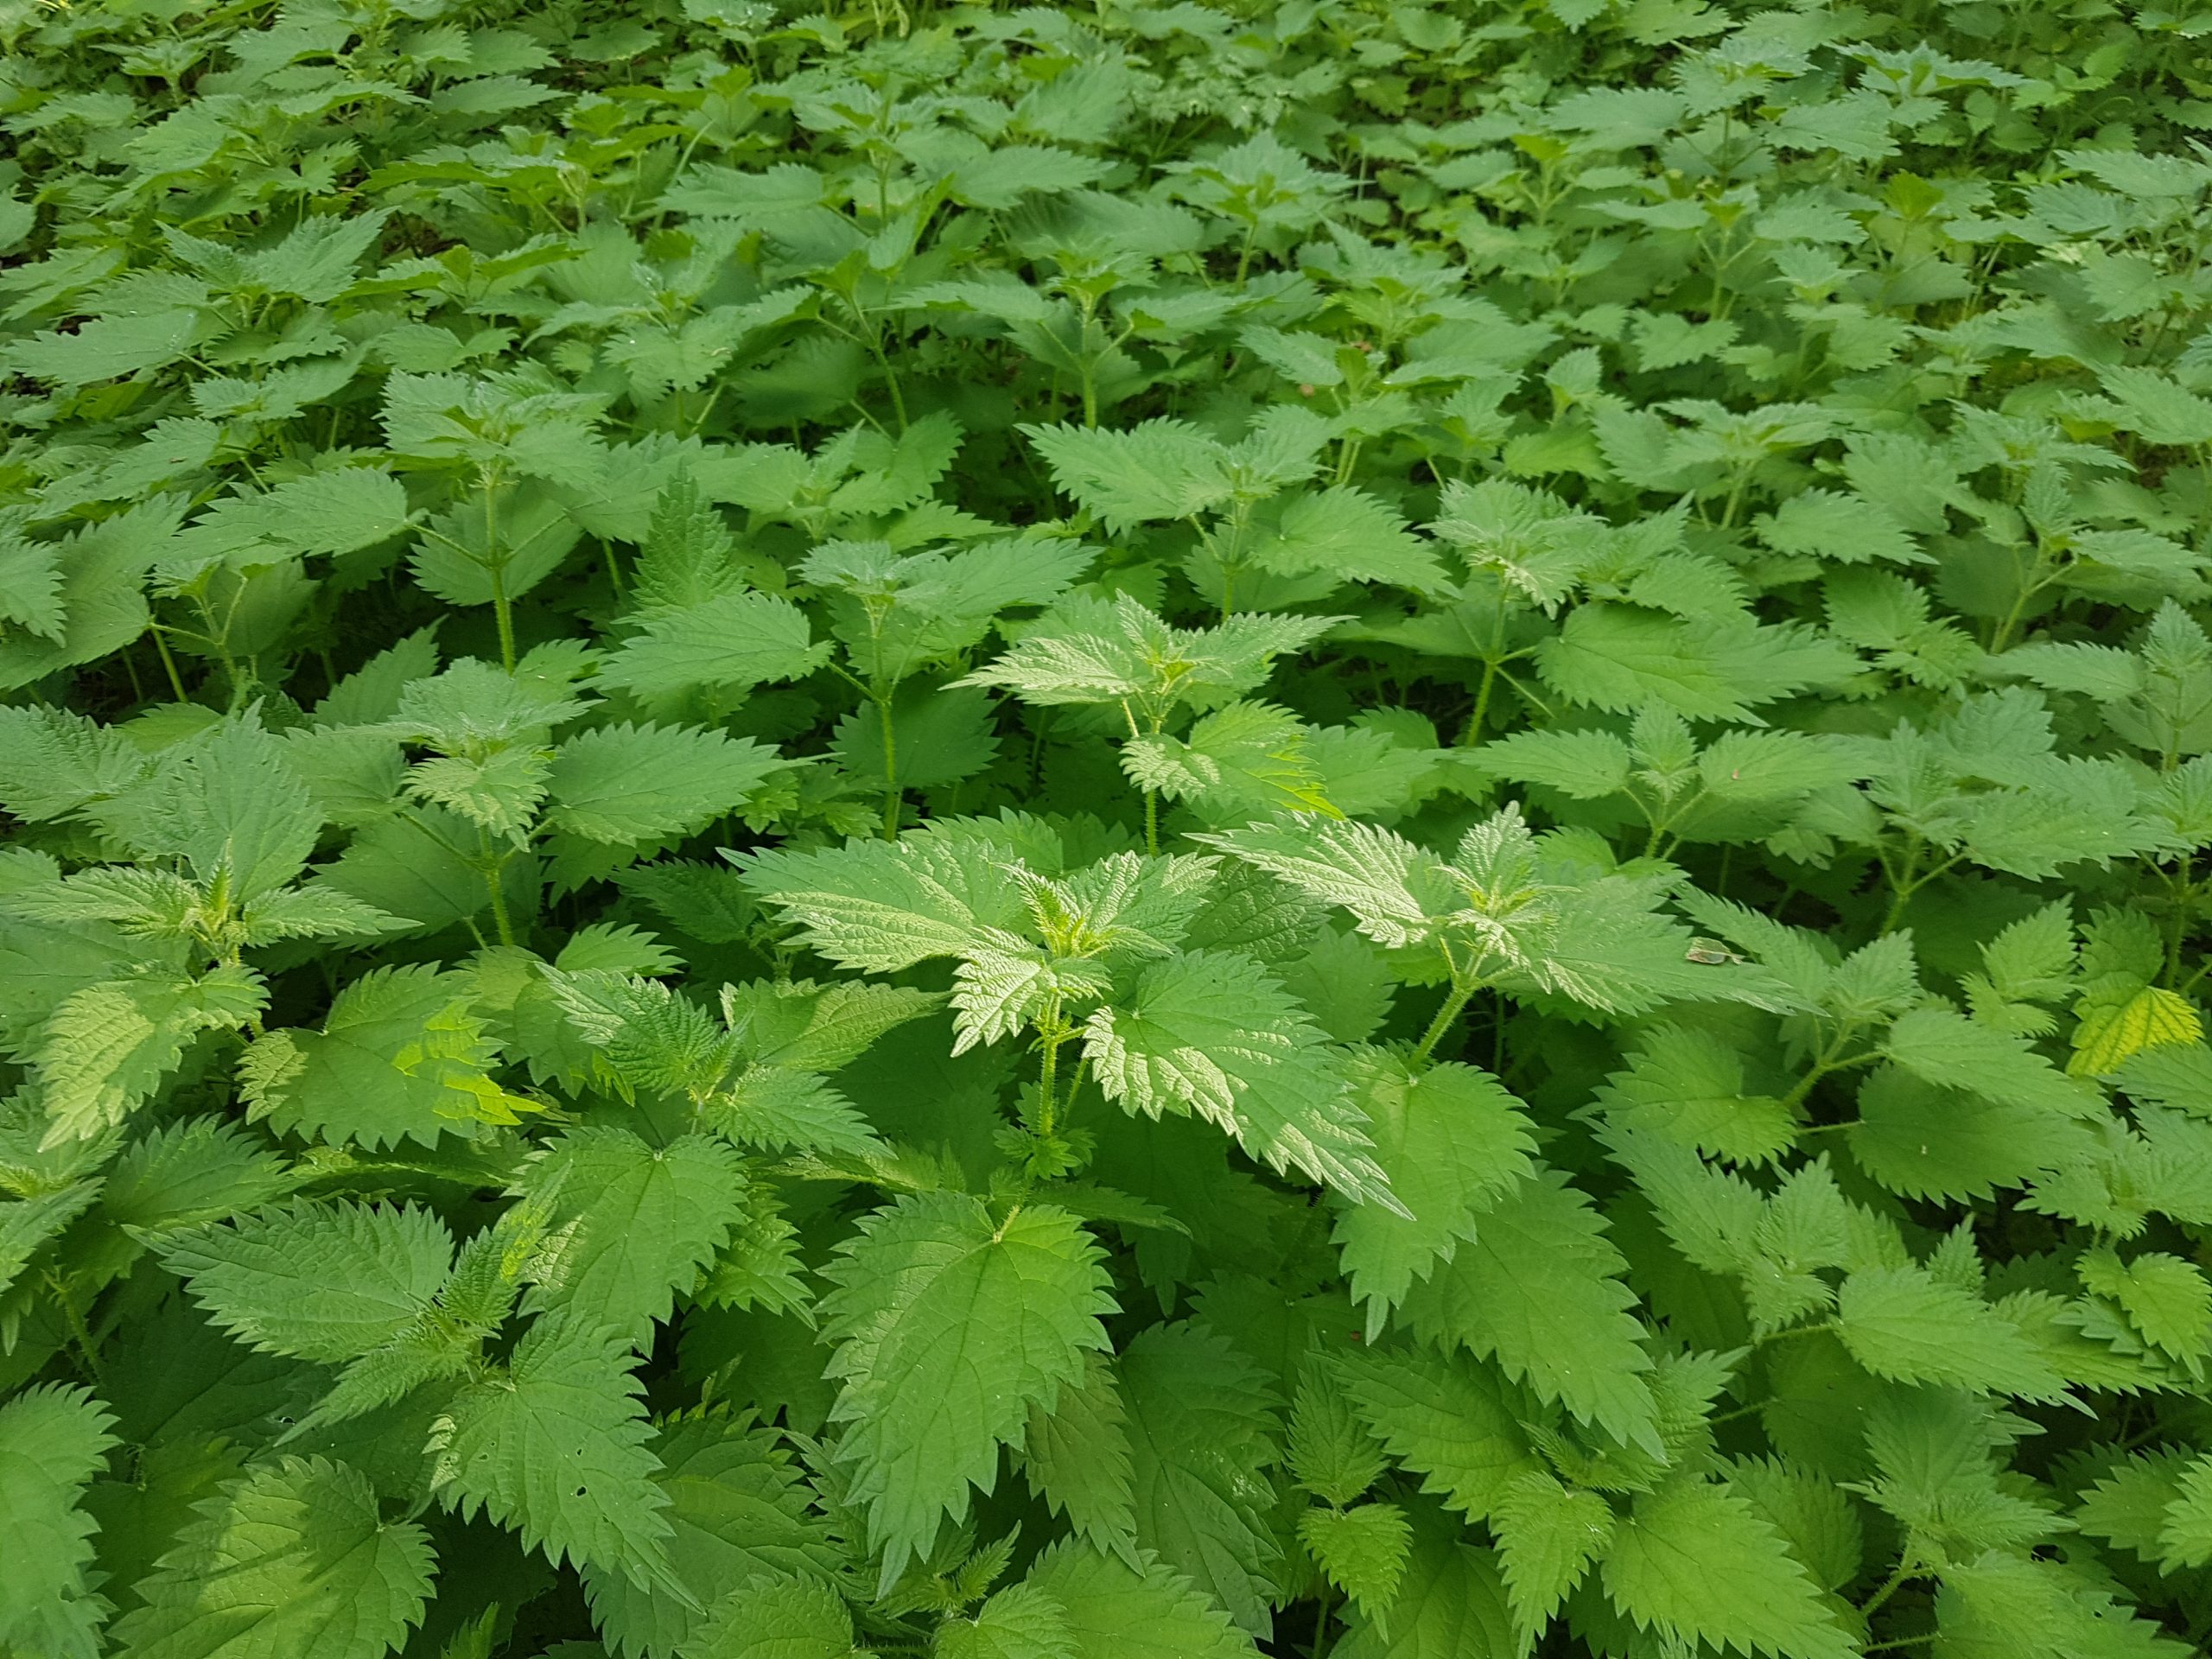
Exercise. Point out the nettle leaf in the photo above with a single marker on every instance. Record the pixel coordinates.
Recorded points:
(109, 1047)
(1445, 1418)
(1449, 1595)
(1380, 767)
(967, 1323)
(1078, 1458)
(1905, 1322)
(1539, 1290)
(624, 786)
(777, 1615)
(297, 1558)
(1451, 1141)
(1698, 1563)
(320, 1282)
(1020, 1622)
(1120, 1610)
(1348, 533)
(1397, 892)
(738, 1507)
(227, 805)
(1211, 1034)
(639, 1222)
(53, 1441)
(1088, 651)
(200, 1170)
(728, 643)
(1941, 1047)
(1157, 470)
(1362, 1549)
(1548, 1536)
(1246, 760)
(555, 1445)
(401, 1055)
(1202, 1430)
(881, 906)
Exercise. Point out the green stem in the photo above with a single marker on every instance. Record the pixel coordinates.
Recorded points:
(1473, 733)
(1906, 889)
(80, 1333)
(891, 800)
(1826, 1065)
(1321, 1635)
(168, 663)
(1735, 498)
(494, 868)
(496, 573)
(1888, 1587)
(2033, 584)
(874, 337)
(1453, 1005)
(1048, 1075)
(1740, 1412)
(1151, 823)
(2178, 927)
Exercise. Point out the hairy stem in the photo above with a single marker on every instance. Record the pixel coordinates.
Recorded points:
(892, 801)
(494, 866)
(1447, 1016)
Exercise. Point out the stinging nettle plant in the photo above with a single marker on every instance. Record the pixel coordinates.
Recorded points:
(1169, 832)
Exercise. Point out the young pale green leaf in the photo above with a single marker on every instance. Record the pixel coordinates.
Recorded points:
(882, 907)
(109, 1047)
(1397, 893)
(1247, 760)
(1211, 1034)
